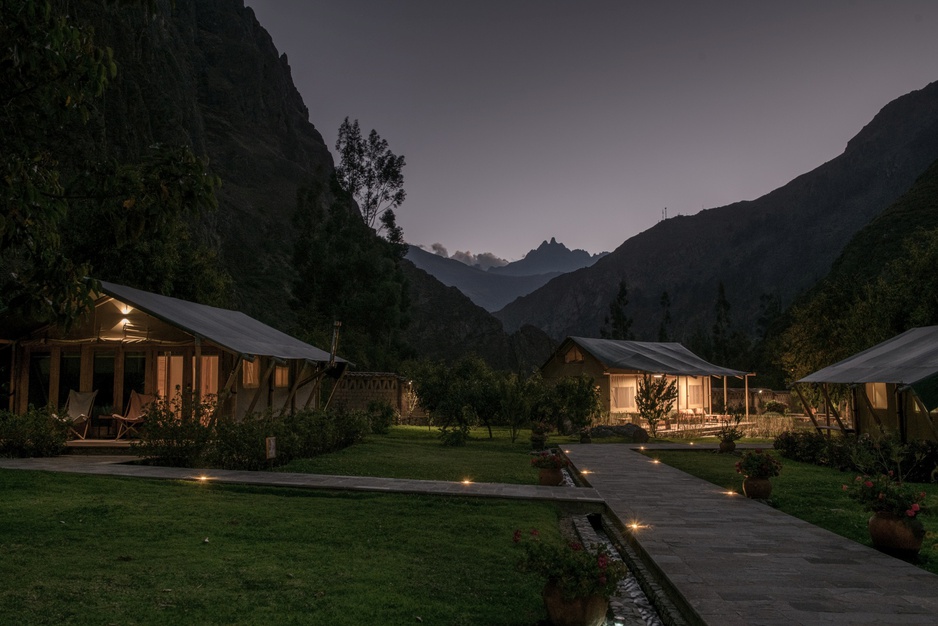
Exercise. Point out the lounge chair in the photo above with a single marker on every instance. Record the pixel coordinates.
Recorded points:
(136, 407)
(78, 411)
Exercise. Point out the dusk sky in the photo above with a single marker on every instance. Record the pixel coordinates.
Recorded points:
(526, 120)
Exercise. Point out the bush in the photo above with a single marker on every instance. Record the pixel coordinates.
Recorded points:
(33, 434)
(454, 437)
(175, 433)
(774, 406)
(806, 446)
(242, 444)
(381, 415)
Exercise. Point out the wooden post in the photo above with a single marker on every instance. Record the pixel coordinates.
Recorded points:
(334, 387)
(261, 385)
(869, 405)
(297, 382)
(832, 410)
(807, 408)
(197, 383)
(746, 385)
(926, 414)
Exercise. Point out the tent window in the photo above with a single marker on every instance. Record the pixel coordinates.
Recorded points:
(281, 376)
(209, 386)
(573, 355)
(876, 392)
(250, 374)
(168, 376)
(695, 394)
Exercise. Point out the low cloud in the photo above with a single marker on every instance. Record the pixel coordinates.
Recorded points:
(439, 250)
(483, 261)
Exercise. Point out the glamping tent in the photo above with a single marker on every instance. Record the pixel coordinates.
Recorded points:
(618, 365)
(894, 384)
(156, 345)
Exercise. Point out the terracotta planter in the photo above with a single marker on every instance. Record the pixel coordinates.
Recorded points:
(895, 535)
(550, 476)
(757, 488)
(588, 611)
(727, 446)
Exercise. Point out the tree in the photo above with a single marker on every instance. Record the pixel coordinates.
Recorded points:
(578, 402)
(369, 172)
(618, 325)
(67, 212)
(50, 71)
(347, 273)
(654, 399)
(721, 326)
(664, 329)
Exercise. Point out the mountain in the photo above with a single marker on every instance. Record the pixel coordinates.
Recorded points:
(484, 288)
(446, 325)
(549, 257)
(494, 288)
(778, 245)
(206, 74)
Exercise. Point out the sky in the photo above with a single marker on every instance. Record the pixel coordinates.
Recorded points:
(522, 120)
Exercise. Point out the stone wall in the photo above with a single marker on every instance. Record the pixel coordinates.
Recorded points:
(358, 389)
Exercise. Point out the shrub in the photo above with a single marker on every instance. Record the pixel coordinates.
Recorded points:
(454, 437)
(174, 432)
(381, 415)
(802, 445)
(242, 444)
(774, 406)
(33, 434)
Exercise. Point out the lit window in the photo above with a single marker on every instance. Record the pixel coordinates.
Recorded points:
(573, 356)
(695, 394)
(250, 374)
(281, 376)
(876, 392)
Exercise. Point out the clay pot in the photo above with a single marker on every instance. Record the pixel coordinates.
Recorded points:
(550, 476)
(588, 611)
(894, 535)
(757, 488)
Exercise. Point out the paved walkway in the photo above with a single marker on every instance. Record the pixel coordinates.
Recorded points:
(737, 561)
(115, 465)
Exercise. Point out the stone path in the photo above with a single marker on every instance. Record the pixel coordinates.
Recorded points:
(115, 465)
(735, 561)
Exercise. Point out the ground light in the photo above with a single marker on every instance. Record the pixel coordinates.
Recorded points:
(466, 481)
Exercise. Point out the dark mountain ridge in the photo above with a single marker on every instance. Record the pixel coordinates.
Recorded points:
(779, 244)
(549, 257)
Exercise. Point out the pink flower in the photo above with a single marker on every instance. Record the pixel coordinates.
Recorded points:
(868, 483)
(602, 561)
(516, 537)
(910, 513)
(843, 487)
(576, 546)
(891, 473)
(916, 508)
(857, 479)
(881, 496)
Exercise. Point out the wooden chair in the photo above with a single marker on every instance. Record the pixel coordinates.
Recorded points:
(78, 411)
(134, 416)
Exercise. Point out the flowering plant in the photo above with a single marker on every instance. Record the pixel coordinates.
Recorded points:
(883, 493)
(546, 459)
(578, 571)
(757, 464)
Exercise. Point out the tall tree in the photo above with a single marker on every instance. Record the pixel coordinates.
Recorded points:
(664, 329)
(369, 172)
(721, 326)
(345, 272)
(618, 325)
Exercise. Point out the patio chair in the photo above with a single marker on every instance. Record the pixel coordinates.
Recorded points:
(134, 416)
(78, 411)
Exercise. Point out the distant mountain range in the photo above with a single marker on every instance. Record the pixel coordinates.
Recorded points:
(494, 288)
(780, 244)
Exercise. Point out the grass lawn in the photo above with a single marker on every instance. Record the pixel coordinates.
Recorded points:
(104, 550)
(809, 492)
(416, 452)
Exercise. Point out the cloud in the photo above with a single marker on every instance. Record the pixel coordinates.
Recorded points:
(483, 261)
(439, 250)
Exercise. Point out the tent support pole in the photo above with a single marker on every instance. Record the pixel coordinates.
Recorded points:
(921, 407)
(746, 385)
(262, 384)
(869, 405)
(807, 408)
(226, 393)
(296, 386)
(315, 392)
(334, 387)
(832, 409)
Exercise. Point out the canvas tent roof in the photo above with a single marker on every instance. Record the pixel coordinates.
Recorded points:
(231, 330)
(645, 356)
(907, 359)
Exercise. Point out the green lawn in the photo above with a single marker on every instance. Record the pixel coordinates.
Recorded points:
(103, 550)
(416, 452)
(809, 492)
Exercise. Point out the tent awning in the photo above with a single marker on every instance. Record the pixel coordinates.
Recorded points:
(655, 357)
(907, 359)
(231, 330)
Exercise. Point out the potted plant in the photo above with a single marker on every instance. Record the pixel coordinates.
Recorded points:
(579, 579)
(758, 467)
(539, 432)
(894, 526)
(550, 463)
(729, 433)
